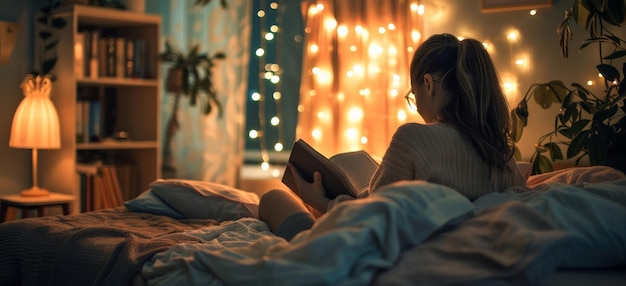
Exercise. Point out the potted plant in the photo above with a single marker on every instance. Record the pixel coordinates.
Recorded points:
(189, 75)
(47, 57)
(589, 124)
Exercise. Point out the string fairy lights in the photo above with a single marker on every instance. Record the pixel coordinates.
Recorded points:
(356, 62)
(355, 71)
(269, 80)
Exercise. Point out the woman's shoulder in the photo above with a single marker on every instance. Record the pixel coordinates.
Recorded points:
(429, 136)
(418, 128)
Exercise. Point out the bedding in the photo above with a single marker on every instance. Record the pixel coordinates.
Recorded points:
(105, 247)
(409, 233)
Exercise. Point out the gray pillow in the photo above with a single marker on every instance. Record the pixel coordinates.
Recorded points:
(199, 199)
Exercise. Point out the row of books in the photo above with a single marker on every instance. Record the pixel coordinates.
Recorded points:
(105, 186)
(95, 114)
(88, 121)
(97, 55)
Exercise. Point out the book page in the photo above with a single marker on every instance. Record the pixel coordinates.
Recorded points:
(358, 166)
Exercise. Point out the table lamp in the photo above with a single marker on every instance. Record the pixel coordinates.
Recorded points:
(35, 124)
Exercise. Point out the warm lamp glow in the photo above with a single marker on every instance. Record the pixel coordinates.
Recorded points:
(35, 124)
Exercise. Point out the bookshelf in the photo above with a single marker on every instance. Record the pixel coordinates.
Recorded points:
(135, 97)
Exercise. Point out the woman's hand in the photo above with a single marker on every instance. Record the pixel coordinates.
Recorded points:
(312, 194)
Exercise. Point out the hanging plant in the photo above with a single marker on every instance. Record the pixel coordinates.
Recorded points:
(46, 57)
(191, 75)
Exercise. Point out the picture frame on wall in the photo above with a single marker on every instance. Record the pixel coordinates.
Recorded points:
(488, 6)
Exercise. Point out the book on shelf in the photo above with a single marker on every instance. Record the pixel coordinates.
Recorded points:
(140, 58)
(120, 57)
(103, 54)
(347, 173)
(92, 40)
(127, 175)
(129, 68)
(86, 173)
(96, 113)
(79, 55)
(100, 185)
(111, 56)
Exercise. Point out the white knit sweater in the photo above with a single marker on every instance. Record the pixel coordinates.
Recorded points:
(438, 153)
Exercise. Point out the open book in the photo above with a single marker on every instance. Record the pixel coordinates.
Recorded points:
(346, 173)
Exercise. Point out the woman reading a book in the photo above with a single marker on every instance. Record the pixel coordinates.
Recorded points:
(465, 144)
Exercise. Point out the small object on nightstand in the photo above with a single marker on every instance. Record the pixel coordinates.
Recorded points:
(29, 203)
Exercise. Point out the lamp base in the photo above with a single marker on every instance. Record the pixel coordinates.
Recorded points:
(34, 192)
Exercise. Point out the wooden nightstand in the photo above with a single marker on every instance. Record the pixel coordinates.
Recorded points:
(34, 203)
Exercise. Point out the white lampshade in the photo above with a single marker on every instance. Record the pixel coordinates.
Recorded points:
(35, 123)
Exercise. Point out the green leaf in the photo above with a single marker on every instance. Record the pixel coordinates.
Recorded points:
(543, 96)
(578, 126)
(609, 72)
(517, 126)
(568, 114)
(614, 12)
(51, 45)
(207, 108)
(587, 107)
(555, 151)
(615, 55)
(48, 65)
(521, 111)
(565, 132)
(582, 91)
(577, 144)
(541, 164)
(44, 35)
(580, 10)
(58, 23)
(605, 114)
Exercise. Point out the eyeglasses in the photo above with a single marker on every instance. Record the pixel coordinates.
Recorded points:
(410, 99)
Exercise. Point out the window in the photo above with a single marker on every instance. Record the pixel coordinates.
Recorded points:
(276, 45)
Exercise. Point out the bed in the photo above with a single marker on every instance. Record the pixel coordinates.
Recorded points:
(570, 229)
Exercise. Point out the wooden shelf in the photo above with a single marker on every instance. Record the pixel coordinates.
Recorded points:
(107, 17)
(113, 81)
(130, 104)
(112, 145)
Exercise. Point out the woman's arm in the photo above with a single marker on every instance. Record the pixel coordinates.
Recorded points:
(313, 194)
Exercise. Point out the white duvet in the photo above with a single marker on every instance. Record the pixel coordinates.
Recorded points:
(414, 232)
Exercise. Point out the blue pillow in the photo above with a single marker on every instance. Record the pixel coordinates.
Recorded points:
(148, 202)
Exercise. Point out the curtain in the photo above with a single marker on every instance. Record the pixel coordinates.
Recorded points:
(356, 72)
(208, 147)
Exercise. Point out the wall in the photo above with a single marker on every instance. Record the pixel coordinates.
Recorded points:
(15, 164)
(462, 17)
(539, 42)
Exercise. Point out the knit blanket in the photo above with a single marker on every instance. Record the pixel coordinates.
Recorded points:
(104, 247)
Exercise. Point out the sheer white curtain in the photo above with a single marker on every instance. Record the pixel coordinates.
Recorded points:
(207, 147)
(356, 72)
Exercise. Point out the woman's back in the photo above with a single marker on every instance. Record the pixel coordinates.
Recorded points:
(440, 154)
